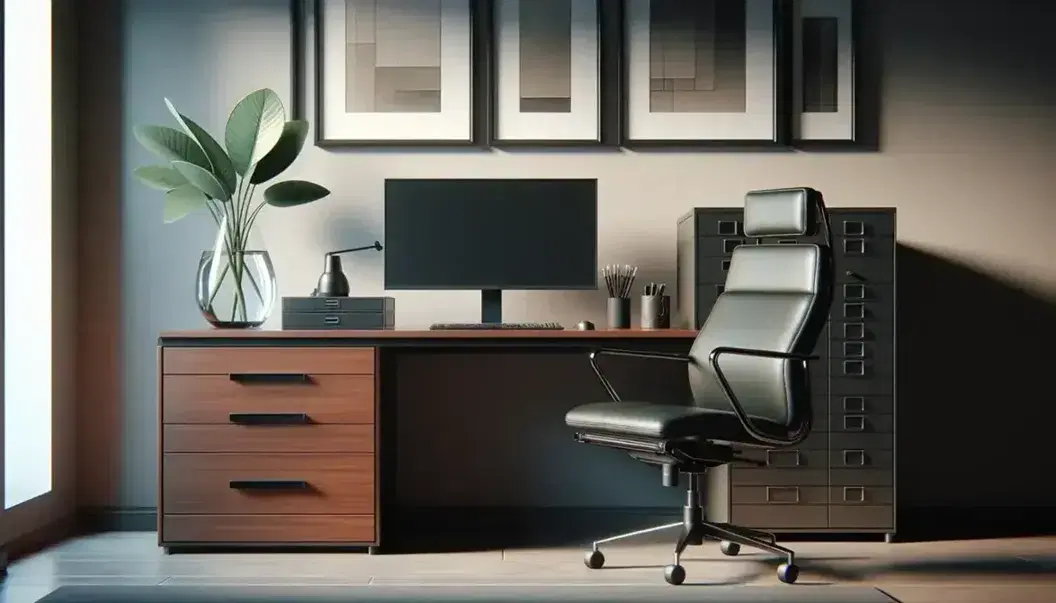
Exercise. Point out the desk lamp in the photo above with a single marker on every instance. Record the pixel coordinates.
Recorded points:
(333, 283)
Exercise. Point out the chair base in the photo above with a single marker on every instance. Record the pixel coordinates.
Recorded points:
(696, 531)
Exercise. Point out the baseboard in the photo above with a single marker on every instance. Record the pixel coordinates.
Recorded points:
(556, 525)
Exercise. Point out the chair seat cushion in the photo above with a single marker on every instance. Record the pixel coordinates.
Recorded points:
(660, 421)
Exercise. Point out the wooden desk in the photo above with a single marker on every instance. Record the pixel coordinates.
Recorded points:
(274, 438)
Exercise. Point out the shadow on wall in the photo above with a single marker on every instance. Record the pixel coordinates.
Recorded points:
(976, 400)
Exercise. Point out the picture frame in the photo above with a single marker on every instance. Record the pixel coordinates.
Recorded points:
(413, 79)
(825, 67)
(553, 66)
(723, 81)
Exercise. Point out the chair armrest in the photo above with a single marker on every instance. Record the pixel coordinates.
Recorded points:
(670, 356)
(738, 410)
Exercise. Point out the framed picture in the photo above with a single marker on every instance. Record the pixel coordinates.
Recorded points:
(397, 73)
(547, 73)
(824, 68)
(706, 73)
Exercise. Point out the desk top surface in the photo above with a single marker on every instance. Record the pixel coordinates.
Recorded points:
(572, 334)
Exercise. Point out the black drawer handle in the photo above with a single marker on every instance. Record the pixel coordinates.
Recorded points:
(268, 484)
(773, 455)
(854, 422)
(269, 418)
(853, 494)
(331, 302)
(854, 330)
(853, 368)
(269, 378)
(719, 289)
(854, 349)
(854, 404)
(787, 241)
(728, 245)
(854, 291)
(729, 227)
(855, 310)
(854, 246)
(854, 458)
(332, 320)
(725, 265)
(853, 228)
(773, 494)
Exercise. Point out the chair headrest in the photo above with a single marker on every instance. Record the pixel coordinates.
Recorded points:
(785, 212)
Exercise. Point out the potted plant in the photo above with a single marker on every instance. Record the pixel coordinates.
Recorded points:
(236, 279)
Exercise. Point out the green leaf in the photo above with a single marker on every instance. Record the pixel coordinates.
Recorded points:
(160, 177)
(171, 145)
(183, 200)
(292, 193)
(285, 152)
(221, 164)
(254, 128)
(202, 179)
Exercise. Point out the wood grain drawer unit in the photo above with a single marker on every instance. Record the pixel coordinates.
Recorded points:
(268, 445)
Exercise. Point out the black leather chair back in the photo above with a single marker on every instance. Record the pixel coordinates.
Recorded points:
(777, 297)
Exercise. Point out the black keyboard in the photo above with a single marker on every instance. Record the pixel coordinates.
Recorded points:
(499, 326)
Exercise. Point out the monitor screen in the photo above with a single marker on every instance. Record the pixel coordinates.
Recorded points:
(491, 234)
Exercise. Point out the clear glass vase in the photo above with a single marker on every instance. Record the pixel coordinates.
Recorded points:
(236, 281)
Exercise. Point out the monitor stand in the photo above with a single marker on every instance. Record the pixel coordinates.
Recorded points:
(491, 306)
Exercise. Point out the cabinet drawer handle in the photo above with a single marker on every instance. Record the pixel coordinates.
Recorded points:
(331, 302)
(853, 368)
(855, 310)
(773, 494)
(853, 291)
(728, 245)
(774, 455)
(853, 494)
(719, 289)
(854, 458)
(854, 330)
(854, 246)
(269, 418)
(854, 422)
(247, 378)
(787, 241)
(725, 265)
(854, 404)
(729, 227)
(332, 320)
(268, 484)
(854, 349)
(853, 228)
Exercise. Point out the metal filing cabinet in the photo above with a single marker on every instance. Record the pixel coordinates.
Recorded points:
(842, 478)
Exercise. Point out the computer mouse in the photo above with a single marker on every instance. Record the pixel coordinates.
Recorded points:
(586, 325)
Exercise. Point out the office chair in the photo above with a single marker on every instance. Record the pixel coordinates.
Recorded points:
(748, 374)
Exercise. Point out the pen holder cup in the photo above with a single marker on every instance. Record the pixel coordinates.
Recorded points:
(619, 312)
(656, 312)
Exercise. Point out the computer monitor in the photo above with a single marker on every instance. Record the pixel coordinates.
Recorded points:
(491, 234)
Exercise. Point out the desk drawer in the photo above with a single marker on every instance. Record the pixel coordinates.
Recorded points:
(780, 495)
(777, 517)
(242, 484)
(268, 529)
(245, 439)
(214, 398)
(268, 361)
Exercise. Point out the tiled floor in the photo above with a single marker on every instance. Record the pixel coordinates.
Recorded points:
(1005, 571)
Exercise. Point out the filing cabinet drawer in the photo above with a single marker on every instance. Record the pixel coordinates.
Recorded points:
(862, 223)
(861, 423)
(877, 249)
(858, 330)
(804, 240)
(880, 352)
(720, 223)
(778, 517)
(268, 438)
(310, 398)
(882, 385)
(712, 270)
(268, 361)
(869, 441)
(882, 294)
(861, 477)
(863, 270)
(863, 404)
(719, 247)
(862, 311)
(788, 457)
(268, 529)
(861, 368)
(785, 476)
(780, 495)
(861, 458)
(878, 517)
(861, 495)
(268, 484)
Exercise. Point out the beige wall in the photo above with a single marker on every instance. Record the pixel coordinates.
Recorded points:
(967, 122)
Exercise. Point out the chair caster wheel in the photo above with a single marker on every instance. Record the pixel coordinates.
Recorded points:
(729, 549)
(787, 573)
(674, 574)
(594, 559)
